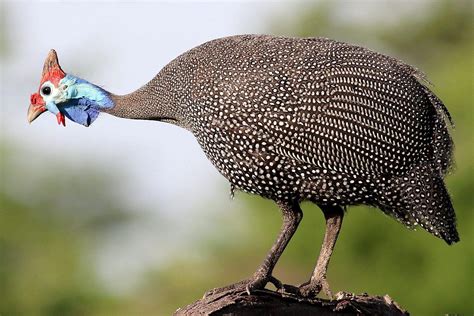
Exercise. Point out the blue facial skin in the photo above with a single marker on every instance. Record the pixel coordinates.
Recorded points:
(81, 101)
(51, 107)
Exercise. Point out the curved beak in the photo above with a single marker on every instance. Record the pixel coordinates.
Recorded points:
(36, 107)
(34, 111)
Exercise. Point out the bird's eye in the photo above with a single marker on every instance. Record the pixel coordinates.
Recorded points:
(46, 90)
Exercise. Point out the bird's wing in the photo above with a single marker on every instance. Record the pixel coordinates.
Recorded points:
(336, 106)
(357, 121)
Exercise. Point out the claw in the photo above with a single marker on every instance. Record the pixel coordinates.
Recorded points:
(247, 289)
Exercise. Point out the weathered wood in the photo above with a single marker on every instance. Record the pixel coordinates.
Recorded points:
(266, 302)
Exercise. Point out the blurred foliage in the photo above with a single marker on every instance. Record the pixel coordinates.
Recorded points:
(46, 239)
(41, 272)
(49, 224)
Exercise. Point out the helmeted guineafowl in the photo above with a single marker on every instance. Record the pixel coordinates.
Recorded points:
(294, 119)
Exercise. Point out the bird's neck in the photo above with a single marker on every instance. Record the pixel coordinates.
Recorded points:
(157, 100)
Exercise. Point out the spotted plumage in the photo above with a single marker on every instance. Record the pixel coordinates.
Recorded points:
(319, 120)
(294, 119)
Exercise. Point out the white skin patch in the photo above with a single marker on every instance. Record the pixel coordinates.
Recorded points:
(53, 96)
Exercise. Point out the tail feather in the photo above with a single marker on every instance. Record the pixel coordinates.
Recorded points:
(442, 142)
(420, 198)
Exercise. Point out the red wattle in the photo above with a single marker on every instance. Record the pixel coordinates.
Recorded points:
(61, 119)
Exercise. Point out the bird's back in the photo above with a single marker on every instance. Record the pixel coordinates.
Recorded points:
(322, 120)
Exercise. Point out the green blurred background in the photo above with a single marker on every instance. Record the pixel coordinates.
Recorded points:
(47, 239)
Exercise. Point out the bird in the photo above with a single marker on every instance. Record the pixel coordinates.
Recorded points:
(291, 120)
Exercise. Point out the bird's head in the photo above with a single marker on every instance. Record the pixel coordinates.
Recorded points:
(66, 95)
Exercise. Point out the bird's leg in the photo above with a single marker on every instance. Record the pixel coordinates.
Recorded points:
(292, 216)
(318, 282)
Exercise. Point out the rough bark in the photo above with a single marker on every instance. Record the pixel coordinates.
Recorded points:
(265, 302)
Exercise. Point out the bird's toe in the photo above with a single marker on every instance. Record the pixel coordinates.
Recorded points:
(238, 285)
(249, 285)
(314, 287)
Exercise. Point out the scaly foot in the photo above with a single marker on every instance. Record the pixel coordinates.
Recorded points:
(312, 288)
(249, 285)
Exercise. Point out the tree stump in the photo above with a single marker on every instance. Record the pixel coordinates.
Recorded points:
(266, 302)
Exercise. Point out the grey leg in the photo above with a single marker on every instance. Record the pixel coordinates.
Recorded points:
(318, 282)
(292, 216)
